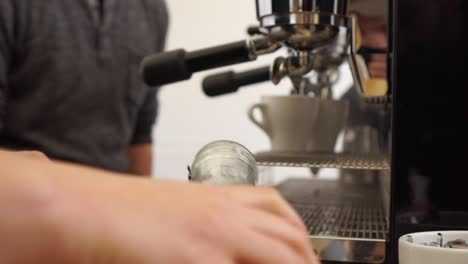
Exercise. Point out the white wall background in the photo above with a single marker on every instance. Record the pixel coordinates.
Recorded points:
(188, 119)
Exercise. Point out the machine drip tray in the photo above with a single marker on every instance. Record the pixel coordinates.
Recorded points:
(346, 222)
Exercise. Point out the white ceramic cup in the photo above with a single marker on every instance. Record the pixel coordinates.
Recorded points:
(300, 123)
(331, 121)
(289, 121)
(416, 253)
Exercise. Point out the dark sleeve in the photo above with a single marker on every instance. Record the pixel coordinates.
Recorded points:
(6, 41)
(146, 119)
(148, 112)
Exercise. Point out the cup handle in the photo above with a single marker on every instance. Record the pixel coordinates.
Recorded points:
(260, 124)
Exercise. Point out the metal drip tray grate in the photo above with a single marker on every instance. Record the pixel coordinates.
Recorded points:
(324, 160)
(330, 209)
(345, 221)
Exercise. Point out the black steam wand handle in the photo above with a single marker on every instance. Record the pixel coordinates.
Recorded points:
(178, 65)
(229, 82)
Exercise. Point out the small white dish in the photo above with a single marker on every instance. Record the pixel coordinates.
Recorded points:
(415, 249)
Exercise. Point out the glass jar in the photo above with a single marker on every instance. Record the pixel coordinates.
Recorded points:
(224, 163)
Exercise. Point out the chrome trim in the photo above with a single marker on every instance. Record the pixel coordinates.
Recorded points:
(358, 72)
(349, 250)
(268, 7)
(261, 45)
(305, 18)
(369, 161)
(252, 49)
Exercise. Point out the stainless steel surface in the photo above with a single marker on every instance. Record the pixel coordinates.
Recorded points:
(360, 139)
(261, 45)
(324, 160)
(280, 12)
(324, 60)
(316, 33)
(333, 54)
(269, 7)
(349, 222)
(359, 70)
(349, 250)
(360, 221)
(359, 73)
(309, 24)
(320, 36)
(345, 222)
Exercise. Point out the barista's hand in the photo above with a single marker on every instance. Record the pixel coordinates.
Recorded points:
(77, 215)
(28, 154)
(165, 222)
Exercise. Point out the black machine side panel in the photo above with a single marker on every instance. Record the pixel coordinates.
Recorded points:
(430, 119)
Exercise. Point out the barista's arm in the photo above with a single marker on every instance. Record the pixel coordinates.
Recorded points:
(141, 159)
(55, 213)
(140, 151)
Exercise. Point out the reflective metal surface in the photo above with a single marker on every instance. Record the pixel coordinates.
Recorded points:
(346, 222)
(333, 54)
(355, 161)
(283, 12)
(310, 23)
(321, 34)
(349, 250)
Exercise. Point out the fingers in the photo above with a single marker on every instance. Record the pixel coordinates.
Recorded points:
(268, 200)
(282, 232)
(259, 248)
(33, 154)
(218, 259)
(276, 228)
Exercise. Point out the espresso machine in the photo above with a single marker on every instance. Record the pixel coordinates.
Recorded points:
(420, 169)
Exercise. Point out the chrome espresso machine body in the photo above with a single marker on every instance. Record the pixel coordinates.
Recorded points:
(419, 171)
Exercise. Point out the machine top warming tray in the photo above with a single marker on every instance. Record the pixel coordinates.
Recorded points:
(371, 161)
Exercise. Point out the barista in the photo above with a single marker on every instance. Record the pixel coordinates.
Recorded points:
(69, 82)
(58, 213)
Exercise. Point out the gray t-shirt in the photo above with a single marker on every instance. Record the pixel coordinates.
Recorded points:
(69, 77)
